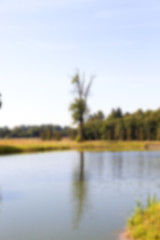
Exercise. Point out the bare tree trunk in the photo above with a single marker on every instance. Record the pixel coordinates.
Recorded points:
(81, 130)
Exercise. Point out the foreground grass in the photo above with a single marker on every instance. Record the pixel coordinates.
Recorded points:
(9, 146)
(145, 223)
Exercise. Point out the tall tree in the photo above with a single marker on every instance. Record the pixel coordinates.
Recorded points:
(79, 107)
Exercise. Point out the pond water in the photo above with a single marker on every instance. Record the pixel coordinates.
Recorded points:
(73, 196)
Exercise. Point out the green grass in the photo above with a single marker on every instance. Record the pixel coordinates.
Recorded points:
(145, 222)
(9, 150)
(8, 146)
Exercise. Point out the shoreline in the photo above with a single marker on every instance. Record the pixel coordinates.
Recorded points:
(11, 146)
(144, 223)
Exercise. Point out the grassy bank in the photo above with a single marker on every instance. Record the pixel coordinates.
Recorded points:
(145, 223)
(9, 146)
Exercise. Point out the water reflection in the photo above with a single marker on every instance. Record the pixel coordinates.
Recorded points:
(101, 189)
(120, 166)
(108, 171)
(80, 190)
(145, 165)
(1, 198)
(117, 166)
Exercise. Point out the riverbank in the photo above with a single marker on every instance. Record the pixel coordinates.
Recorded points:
(9, 146)
(144, 224)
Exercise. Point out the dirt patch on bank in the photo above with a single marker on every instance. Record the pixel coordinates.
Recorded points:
(125, 236)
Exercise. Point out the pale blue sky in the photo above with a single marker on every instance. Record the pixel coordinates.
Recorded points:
(43, 42)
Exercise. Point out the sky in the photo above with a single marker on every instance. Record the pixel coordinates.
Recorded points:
(44, 42)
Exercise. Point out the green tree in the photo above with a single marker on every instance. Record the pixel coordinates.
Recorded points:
(79, 107)
(93, 126)
(47, 133)
(57, 135)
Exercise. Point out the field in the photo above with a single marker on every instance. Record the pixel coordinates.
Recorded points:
(9, 146)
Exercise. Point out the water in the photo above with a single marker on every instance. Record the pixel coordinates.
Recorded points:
(73, 196)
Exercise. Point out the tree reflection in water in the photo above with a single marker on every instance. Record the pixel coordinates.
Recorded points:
(80, 189)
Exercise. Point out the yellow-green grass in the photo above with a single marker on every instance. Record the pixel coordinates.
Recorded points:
(145, 223)
(8, 146)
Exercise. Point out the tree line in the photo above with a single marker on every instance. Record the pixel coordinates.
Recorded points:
(116, 126)
(140, 125)
(45, 132)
